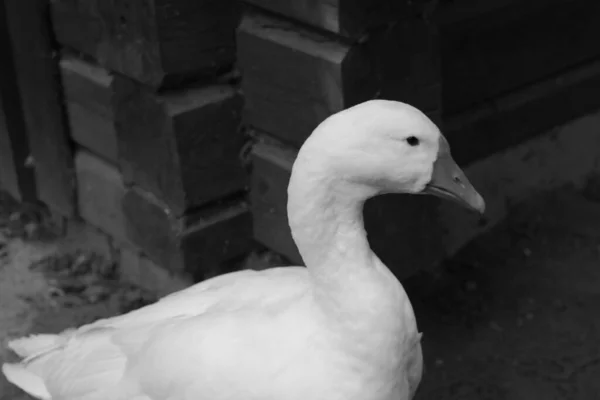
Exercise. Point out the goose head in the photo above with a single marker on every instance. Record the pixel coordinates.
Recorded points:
(383, 146)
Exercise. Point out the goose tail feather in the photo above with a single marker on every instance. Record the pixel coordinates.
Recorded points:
(18, 375)
(30, 349)
(30, 346)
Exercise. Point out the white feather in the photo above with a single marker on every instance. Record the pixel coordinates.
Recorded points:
(31, 383)
(33, 344)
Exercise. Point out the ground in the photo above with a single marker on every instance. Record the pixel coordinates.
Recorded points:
(49, 283)
(515, 315)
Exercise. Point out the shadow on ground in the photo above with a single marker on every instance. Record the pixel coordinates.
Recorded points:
(516, 315)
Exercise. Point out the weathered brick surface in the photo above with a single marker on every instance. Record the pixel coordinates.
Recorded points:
(271, 168)
(157, 42)
(183, 146)
(88, 95)
(194, 244)
(100, 193)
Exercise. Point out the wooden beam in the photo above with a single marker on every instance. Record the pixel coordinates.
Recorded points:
(161, 43)
(41, 99)
(15, 177)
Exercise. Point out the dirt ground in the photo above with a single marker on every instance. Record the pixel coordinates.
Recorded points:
(48, 284)
(515, 315)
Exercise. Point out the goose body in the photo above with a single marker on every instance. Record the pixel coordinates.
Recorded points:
(342, 328)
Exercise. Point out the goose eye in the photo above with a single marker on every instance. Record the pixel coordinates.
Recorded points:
(412, 141)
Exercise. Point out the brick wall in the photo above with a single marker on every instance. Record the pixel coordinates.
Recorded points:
(155, 112)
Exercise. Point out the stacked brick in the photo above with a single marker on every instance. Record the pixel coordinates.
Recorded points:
(155, 112)
(153, 106)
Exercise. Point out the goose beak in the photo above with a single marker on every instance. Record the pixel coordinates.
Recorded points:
(448, 181)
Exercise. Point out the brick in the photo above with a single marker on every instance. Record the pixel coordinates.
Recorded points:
(271, 167)
(100, 194)
(294, 77)
(88, 95)
(87, 84)
(351, 18)
(181, 146)
(193, 244)
(93, 132)
(138, 269)
(160, 43)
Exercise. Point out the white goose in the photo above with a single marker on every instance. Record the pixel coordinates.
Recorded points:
(341, 329)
